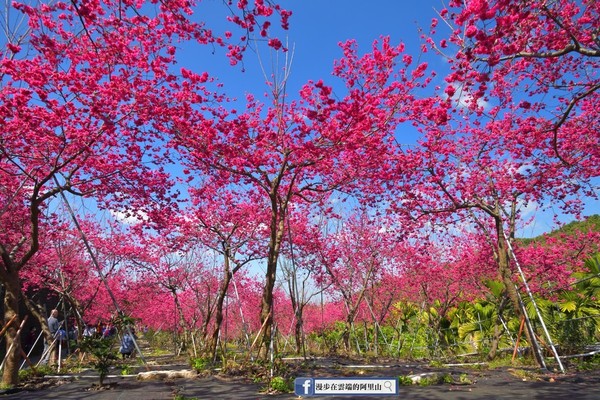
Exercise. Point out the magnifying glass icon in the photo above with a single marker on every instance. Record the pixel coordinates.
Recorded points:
(388, 385)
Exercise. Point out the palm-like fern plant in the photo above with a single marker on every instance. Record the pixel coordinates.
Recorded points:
(482, 322)
(580, 309)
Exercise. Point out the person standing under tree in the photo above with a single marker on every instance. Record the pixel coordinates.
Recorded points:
(51, 350)
(53, 323)
(127, 344)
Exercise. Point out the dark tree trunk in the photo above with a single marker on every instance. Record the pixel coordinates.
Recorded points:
(223, 287)
(277, 228)
(506, 273)
(12, 293)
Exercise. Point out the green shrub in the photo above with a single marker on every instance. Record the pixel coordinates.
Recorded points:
(126, 370)
(102, 351)
(182, 397)
(200, 364)
(280, 384)
(26, 374)
(464, 379)
(428, 381)
(160, 339)
(405, 380)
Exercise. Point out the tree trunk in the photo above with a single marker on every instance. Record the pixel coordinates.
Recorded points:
(504, 269)
(212, 341)
(277, 228)
(206, 322)
(266, 314)
(75, 305)
(497, 327)
(12, 293)
(346, 336)
(297, 306)
(37, 312)
(348, 326)
(299, 334)
(181, 322)
(495, 340)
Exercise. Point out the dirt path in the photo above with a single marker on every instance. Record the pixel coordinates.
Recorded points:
(485, 384)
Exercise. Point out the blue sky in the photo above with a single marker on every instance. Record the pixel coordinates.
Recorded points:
(316, 29)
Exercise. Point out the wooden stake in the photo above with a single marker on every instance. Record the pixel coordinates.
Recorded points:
(518, 338)
(13, 342)
(27, 360)
(3, 331)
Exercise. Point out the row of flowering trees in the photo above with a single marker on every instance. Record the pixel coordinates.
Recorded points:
(93, 106)
(358, 277)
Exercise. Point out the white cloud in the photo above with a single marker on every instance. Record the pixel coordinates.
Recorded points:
(464, 99)
(129, 218)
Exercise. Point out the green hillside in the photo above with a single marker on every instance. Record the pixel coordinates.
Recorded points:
(589, 223)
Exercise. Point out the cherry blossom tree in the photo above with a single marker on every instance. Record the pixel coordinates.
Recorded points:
(536, 59)
(80, 84)
(299, 267)
(169, 269)
(222, 221)
(94, 280)
(479, 173)
(447, 270)
(301, 151)
(60, 267)
(354, 258)
(185, 293)
(523, 85)
(550, 262)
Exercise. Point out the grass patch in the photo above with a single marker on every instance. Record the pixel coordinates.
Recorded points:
(182, 397)
(501, 362)
(159, 352)
(585, 363)
(464, 379)
(524, 374)
(428, 381)
(405, 380)
(200, 364)
(280, 385)
(126, 369)
(38, 372)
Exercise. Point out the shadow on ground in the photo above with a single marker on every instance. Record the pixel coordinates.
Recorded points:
(486, 384)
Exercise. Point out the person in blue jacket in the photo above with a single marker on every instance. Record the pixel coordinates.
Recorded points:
(127, 344)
